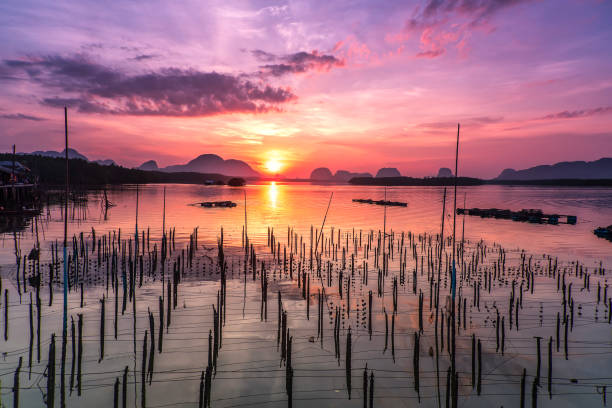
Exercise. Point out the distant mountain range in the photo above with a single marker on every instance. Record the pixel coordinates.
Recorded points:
(212, 163)
(576, 170)
(598, 169)
(206, 163)
(325, 174)
(72, 154)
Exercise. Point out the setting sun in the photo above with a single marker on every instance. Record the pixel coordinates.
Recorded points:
(273, 165)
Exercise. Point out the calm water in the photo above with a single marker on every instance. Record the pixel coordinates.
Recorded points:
(302, 205)
(249, 368)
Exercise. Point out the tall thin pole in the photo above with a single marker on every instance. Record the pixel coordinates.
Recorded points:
(133, 283)
(438, 295)
(13, 178)
(246, 235)
(65, 325)
(454, 276)
(136, 227)
(463, 231)
(164, 215)
(323, 224)
(384, 231)
(453, 282)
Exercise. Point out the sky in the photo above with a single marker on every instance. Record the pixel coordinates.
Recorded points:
(353, 85)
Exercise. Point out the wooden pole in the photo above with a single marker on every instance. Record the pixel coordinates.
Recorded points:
(65, 318)
(323, 224)
(454, 273)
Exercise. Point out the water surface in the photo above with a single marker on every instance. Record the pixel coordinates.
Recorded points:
(250, 371)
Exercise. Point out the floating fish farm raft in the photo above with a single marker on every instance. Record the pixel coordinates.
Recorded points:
(535, 216)
(211, 204)
(380, 202)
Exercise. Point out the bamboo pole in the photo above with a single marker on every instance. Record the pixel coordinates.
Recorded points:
(65, 316)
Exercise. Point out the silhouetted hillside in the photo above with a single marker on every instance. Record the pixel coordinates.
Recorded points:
(52, 171)
(387, 172)
(321, 174)
(150, 165)
(72, 154)
(598, 169)
(445, 172)
(211, 163)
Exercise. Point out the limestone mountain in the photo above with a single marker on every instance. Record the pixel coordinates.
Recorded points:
(325, 174)
(445, 172)
(388, 172)
(211, 163)
(321, 174)
(150, 165)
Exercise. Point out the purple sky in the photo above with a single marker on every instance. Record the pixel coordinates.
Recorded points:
(345, 84)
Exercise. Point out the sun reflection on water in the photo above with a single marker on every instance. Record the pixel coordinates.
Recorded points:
(273, 194)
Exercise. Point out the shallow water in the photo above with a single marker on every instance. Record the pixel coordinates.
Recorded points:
(249, 370)
(301, 205)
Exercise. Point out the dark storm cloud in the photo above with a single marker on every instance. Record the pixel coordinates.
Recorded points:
(96, 88)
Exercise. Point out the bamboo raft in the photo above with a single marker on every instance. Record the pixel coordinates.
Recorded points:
(535, 216)
(215, 204)
(380, 202)
(604, 232)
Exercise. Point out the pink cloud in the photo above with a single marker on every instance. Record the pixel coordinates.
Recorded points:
(581, 113)
(444, 23)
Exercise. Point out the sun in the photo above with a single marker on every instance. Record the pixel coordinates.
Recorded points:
(273, 165)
